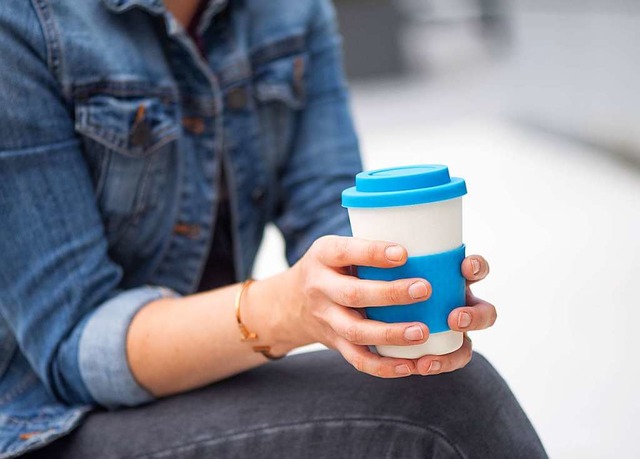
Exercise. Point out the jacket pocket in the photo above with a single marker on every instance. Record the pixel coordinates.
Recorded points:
(282, 81)
(134, 127)
(128, 143)
(280, 94)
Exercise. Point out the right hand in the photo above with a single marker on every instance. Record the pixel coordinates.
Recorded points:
(328, 302)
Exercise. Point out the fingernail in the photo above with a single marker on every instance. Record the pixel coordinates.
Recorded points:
(418, 290)
(464, 320)
(475, 266)
(434, 367)
(413, 333)
(403, 369)
(394, 253)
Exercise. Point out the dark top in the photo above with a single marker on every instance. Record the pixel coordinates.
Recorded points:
(220, 269)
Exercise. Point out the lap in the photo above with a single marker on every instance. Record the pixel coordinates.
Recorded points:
(317, 405)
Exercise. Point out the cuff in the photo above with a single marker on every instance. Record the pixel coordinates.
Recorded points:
(102, 353)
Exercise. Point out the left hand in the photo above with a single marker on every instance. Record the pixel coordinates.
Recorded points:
(476, 315)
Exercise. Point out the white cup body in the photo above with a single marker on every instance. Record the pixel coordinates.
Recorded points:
(423, 229)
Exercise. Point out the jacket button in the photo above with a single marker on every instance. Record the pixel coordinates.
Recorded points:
(193, 124)
(187, 230)
(257, 194)
(237, 98)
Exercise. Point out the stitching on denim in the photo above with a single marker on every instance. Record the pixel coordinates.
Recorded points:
(19, 388)
(277, 49)
(52, 37)
(105, 138)
(142, 191)
(117, 7)
(40, 149)
(236, 74)
(82, 91)
(67, 423)
(41, 416)
(168, 246)
(321, 421)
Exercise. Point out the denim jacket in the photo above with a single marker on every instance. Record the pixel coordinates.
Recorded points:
(113, 132)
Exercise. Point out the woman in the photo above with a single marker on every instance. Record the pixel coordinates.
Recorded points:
(143, 147)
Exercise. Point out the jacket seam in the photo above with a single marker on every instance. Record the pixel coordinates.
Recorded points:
(24, 384)
(83, 91)
(67, 423)
(277, 49)
(52, 40)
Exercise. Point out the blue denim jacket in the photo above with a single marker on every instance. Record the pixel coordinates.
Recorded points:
(113, 131)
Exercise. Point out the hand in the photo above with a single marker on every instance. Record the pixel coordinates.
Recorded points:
(477, 315)
(327, 306)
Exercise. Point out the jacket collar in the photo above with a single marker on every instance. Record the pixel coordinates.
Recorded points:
(157, 7)
(213, 8)
(120, 6)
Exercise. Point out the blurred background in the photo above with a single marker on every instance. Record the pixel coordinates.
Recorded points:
(536, 103)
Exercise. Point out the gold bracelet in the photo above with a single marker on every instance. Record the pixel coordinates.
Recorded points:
(246, 334)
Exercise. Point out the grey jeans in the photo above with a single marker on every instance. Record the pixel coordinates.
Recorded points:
(317, 406)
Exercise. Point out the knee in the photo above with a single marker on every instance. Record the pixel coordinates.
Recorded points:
(484, 415)
(473, 409)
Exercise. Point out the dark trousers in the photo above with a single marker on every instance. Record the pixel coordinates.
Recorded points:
(317, 406)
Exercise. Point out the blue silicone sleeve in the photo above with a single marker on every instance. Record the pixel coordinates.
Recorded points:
(442, 270)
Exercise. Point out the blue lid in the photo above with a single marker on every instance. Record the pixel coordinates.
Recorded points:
(403, 186)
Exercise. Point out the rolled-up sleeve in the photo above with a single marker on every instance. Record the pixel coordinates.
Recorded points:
(102, 347)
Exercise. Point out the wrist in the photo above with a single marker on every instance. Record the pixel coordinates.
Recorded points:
(272, 313)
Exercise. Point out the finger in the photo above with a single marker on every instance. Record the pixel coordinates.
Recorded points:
(348, 324)
(470, 298)
(354, 292)
(477, 317)
(436, 364)
(340, 252)
(367, 362)
(474, 268)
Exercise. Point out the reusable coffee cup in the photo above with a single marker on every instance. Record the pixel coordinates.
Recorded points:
(420, 208)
